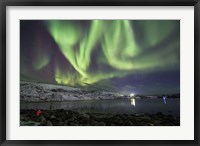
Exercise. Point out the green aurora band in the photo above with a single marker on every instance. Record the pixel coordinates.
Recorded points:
(118, 46)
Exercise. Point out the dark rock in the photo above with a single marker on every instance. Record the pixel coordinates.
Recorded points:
(49, 123)
(150, 124)
(73, 118)
(84, 115)
(53, 117)
(60, 124)
(53, 90)
(42, 119)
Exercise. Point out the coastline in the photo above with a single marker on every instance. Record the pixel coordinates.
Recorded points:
(75, 118)
(40, 92)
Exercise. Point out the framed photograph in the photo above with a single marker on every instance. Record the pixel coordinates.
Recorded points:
(99, 72)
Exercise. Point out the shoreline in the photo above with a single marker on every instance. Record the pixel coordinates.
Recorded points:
(40, 92)
(77, 118)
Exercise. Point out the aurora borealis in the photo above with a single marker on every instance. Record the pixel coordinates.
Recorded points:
(140, 56)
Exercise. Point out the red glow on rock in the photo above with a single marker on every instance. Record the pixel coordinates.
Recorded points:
(38, 112)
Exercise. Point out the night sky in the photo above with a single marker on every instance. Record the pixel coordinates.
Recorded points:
(126, 56)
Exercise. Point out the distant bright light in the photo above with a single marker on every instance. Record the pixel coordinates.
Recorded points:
(132, 95)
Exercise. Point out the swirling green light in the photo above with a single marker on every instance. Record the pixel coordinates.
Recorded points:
(118, 43)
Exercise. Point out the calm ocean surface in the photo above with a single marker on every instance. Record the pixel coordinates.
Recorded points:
(122, 106)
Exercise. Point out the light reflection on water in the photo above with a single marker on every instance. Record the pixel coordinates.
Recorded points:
(124, 106)
(132, 101)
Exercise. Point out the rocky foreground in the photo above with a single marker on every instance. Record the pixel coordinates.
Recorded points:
(72, 118)
(39, 92)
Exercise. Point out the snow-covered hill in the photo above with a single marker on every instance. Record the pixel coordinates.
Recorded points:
(38, 92)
